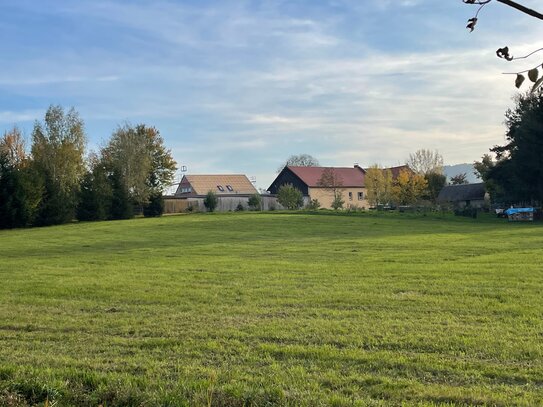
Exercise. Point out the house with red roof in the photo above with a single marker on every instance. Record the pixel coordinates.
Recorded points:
(351, 183)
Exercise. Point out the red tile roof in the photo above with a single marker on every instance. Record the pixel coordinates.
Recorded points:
(351, 177)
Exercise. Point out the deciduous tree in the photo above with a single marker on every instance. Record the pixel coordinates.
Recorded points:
(58, 146)
(332, 182)
(434, 184)
(12, 144)
(459, 179)
(378, 185)
(409, 188)
(290, 197)
(138, 155)
(425, 161)
(300, 160)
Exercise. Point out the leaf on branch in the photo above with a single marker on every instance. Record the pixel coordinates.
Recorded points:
(533, 74)
(471, 24)
(504, 53)
(519, 81)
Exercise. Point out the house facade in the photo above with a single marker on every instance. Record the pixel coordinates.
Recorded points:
(351, 184)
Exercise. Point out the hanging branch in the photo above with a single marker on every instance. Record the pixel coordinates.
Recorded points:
(533, 73)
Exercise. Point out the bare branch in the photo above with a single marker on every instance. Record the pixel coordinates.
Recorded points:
(519, 7)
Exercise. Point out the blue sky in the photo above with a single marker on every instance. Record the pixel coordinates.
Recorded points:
(238, 86)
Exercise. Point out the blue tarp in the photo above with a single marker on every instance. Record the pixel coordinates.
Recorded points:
(512, 211)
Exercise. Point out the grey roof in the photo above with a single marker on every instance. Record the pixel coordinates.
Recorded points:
(465, 192)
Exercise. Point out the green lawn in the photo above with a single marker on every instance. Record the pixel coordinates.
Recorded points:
(273, 309)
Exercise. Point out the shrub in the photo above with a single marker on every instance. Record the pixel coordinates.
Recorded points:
(240, 207)
(211, 201)
(290, 197)
(255, 202)
(155, 206)
(338, 202)
(313, 205)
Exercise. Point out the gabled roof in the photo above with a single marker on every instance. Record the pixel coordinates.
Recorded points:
(202, 184)
(350, 177)
(464, 192)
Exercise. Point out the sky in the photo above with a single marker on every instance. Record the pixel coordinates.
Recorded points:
(239, 86)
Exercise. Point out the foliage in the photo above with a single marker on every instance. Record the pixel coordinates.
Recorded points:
(255, 202)
(486, 170)
(300, 160)
(338, 202)
(96, 193)
(533, 73)
(20, 193)
(459, 179)
(435, 183)
(58, 146)
(325, 309)
(211, 201)
(378, 185)
(240, 207)
(155, 206)
(516, 175)
(313, 205)
(425, 161)
(290, 197)
(409, 188)
(138, 154)
(12, 144)
(122, 206)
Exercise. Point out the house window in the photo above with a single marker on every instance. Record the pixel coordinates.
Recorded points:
(350, 196)
(361, 196)
(185, 190)
(220, 188)
(229, 187)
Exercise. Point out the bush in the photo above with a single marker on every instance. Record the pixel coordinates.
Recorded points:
(313, 205)
(338, 202)
(290, 197)
(468, 212)
(211, 201)
(255, 202)
(155, 206)
(240, 207)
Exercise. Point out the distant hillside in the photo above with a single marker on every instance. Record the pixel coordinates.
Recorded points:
(452, 170)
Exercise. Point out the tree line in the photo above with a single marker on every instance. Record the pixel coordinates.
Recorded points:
(56, 181)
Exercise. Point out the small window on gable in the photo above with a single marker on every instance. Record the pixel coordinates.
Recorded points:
(220, 188)
(229, 187)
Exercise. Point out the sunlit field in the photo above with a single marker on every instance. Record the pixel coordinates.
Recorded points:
(265, 309)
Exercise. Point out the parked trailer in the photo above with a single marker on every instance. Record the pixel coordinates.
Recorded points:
(520, 214)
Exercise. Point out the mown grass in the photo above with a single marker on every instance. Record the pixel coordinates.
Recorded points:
(273, 309)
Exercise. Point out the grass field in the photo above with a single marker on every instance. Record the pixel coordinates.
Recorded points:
(273, 309)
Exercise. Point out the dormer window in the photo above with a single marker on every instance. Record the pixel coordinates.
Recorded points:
(229, 187)
(220, 188)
